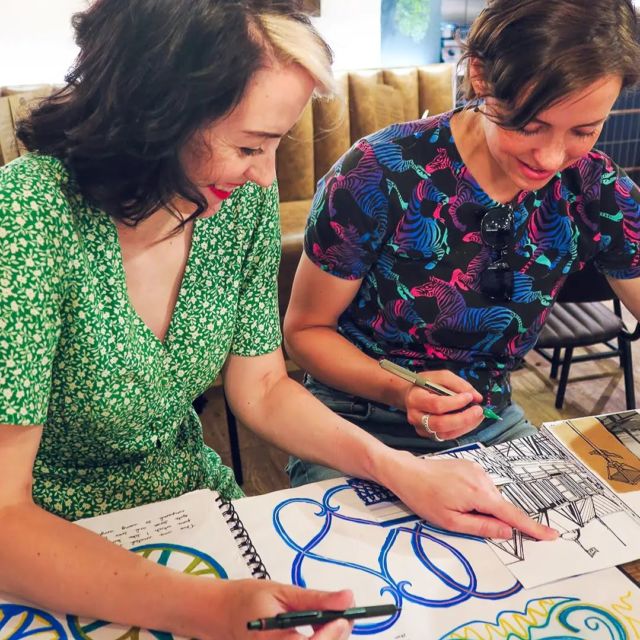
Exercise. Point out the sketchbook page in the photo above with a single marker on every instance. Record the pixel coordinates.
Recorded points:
(609, 445)
(449, 586)
(597, 529)
(188, 534)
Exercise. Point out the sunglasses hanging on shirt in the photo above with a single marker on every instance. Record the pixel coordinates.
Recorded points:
(496, 232)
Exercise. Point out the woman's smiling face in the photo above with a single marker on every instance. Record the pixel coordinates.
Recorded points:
(556, 138)
(241, 147)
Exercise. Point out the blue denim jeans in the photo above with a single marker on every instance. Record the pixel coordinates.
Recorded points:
(391, 427)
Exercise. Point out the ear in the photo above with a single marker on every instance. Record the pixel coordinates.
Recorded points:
(476, 77)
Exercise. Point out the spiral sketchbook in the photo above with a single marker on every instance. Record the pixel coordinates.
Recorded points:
(198, 533)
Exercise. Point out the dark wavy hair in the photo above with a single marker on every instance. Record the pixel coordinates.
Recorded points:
(533, 53)
(149, 75)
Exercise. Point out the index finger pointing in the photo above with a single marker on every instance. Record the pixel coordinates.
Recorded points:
(519, 520)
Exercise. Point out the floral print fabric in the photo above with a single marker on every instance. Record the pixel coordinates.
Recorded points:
(401, 211)
(75, 357)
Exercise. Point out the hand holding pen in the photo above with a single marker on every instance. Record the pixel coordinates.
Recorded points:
(448, 411)
(293, 619)
(243, 609)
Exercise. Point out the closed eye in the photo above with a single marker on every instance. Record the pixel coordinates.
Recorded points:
(587, 134)
(250, 151)
(529, 132)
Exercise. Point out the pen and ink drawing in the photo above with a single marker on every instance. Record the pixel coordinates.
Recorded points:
(594, 443)
(538, 475)
(617, 469)
(625, 426)
(446, 573)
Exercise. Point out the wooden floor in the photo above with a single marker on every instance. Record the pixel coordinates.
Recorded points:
(595, 387)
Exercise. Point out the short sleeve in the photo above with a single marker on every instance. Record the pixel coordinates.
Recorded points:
(257, 327)
(349, 215)
(30, 291)
(619, 256)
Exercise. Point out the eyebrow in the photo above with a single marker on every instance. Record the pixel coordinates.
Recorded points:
(578, 126)
(264, 134)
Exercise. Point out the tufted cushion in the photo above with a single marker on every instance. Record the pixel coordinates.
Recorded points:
(389, 106)
(578, 324)
(435, 88)
(294, 160)
(332, 135)
(405, 82)
(362, 102)
(293, 216)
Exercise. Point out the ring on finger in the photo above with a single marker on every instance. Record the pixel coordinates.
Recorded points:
(430, 432)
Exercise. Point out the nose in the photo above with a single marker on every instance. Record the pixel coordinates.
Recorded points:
(263, 169)
(551, 156)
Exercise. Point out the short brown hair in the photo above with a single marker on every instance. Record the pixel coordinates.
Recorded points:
(532, 53)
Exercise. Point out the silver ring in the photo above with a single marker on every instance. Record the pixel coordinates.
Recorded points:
(430, 432)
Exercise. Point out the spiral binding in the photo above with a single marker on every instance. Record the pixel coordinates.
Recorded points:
(243, 540)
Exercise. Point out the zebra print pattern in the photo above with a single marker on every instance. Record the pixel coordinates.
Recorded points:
(402, 212)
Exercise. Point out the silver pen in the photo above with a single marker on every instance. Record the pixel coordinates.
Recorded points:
(419, 381)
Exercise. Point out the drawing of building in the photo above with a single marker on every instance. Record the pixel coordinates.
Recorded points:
(541, 478)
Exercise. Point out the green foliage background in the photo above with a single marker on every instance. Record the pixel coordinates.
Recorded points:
(412, 18)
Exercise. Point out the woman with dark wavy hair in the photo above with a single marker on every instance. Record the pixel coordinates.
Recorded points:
(139, 248)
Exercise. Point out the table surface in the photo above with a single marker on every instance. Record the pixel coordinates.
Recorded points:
(632, 569)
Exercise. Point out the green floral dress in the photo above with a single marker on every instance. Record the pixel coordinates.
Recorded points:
(114, 401)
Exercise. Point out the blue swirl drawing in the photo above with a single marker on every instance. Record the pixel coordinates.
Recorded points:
(557, 618)
(541, 619)
(20, 621)
(399, 590)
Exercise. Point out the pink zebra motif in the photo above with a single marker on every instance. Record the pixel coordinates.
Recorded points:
(340, 255)
(441, 161)
(465, 193)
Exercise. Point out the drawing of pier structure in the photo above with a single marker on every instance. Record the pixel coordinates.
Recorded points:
(537, 475)
(626, 427)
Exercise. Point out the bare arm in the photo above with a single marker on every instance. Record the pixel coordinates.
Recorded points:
(317, 300)
(451, 493)
(629, 293)
(61, 566)
(311, 339)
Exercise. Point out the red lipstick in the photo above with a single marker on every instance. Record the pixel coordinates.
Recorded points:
(219, 193)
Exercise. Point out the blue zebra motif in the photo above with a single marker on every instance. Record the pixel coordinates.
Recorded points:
(402, 212)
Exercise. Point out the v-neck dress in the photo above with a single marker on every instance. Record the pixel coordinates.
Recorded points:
(114, 401)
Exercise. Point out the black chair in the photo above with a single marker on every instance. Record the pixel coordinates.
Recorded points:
(580, 319)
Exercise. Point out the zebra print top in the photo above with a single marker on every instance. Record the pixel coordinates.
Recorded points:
(400, 210)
